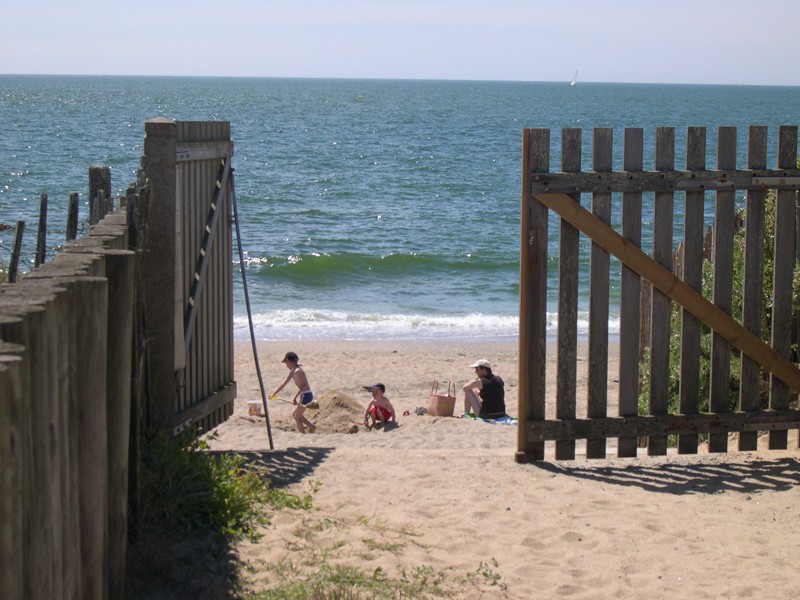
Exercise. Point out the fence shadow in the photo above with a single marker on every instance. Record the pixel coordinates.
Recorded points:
(288, 466)
(701, 478)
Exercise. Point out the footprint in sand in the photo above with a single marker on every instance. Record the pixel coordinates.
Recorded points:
(571, 537)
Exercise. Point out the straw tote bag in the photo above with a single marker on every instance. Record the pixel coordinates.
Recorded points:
(442, 405)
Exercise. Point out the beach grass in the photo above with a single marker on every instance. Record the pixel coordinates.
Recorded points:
(346, 582)
(194, 506)
(197, 505)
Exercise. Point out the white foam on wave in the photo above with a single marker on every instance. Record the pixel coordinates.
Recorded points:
(310, 324)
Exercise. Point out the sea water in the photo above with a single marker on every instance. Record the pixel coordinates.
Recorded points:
(368, 209)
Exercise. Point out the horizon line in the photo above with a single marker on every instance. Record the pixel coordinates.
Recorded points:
(365, 78)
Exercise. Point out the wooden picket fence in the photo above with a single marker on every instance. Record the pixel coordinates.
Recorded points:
(126, 331)
(561, 193)
(65, 411)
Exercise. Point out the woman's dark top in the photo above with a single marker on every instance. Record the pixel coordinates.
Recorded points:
(493, 394)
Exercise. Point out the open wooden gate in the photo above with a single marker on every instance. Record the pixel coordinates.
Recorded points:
(189, 272)
(561, 192)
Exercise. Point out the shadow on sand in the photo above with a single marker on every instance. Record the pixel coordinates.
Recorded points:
(745, 477)
(289, 466)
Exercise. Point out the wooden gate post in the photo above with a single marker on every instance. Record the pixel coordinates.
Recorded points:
(533, 295)
(41, 233)
(72, 216)
(99, 191)
(159, 262)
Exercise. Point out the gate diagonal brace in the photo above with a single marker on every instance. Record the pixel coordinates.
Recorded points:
(672, 286)
(198, 279)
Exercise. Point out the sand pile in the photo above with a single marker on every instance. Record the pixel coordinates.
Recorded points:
(337, 413)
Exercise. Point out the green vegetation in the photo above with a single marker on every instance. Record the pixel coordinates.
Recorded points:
(187, 489)
(341, 582)
(325, 557)
(736, 310)
(195, 505)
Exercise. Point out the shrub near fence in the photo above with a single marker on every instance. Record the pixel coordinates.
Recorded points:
(65, 383)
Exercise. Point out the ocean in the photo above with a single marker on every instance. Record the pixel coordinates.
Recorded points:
(369, 209)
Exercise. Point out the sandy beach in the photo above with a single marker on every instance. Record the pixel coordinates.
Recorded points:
(446, 493)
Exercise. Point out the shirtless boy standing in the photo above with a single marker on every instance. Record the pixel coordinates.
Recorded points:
(297, 375)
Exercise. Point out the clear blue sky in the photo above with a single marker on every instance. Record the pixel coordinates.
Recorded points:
(671, 41)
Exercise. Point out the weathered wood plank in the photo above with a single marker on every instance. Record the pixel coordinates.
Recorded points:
(99, 186)
(72, 216)
(203, 131)
(159, 262)
(782, 270)
(12, 373)
(41, 232)
(693, 210)
(724, 215)
(46, 495)
(597, 402)
(16, 249)
(13, 330)
(204, 407)
(568, 301)
(753, 279)
(630, 291)
(717, 423)
(226, 344)
(90, 380)
(120, 275)
(199, 151)
(198, 270)
(70, 459)
(54, 414)
(36, 543)
(661, 306)
(657, 181)
(533, 293)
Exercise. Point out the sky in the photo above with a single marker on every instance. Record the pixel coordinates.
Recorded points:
(631, 41)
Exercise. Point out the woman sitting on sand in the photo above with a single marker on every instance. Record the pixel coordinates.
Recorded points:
(297, 374)
(379, 410)
(485, 394)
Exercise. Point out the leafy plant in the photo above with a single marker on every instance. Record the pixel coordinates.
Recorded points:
(706, 334)
(193, 504)
(185, 488)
